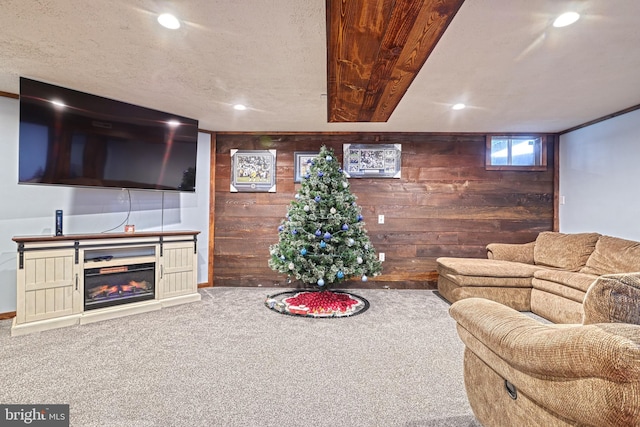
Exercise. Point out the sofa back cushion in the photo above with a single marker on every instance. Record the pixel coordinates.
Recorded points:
(565, 251)
(613, 255)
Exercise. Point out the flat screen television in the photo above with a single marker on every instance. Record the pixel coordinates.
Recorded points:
(74, 138)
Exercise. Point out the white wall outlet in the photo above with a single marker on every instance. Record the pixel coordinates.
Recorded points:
(380, 219)
(381, 256)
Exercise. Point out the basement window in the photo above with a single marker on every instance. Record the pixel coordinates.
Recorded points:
(516, 152)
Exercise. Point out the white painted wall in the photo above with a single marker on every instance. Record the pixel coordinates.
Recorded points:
(600, 178)
(30, 209)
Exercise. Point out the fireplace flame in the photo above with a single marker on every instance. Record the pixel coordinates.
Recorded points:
(110, 291)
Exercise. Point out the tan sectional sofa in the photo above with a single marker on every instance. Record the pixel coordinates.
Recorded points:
(548, 277)
(522, 372)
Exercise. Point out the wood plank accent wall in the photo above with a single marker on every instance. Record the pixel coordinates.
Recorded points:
(445, 204)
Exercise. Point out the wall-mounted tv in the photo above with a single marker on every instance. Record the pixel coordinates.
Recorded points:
(72, 138)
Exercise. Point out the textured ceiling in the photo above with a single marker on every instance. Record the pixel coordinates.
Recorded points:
(500, 57)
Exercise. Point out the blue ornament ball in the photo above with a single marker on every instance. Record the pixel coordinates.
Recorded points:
(280, 228)
(320, 174)
(307, 176)
(320, 282)
(318, 233)
(340, 275)
(317, 199)
(360, 218)
(303, 251)
(323, 244)
(327, 235)
(294, 231)
(364, 278)
(345, 227)
(328, 158)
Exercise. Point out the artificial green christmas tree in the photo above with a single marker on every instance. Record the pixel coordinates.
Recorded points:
(322, 240)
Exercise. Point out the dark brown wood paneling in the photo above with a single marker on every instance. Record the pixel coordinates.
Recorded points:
(445, 204)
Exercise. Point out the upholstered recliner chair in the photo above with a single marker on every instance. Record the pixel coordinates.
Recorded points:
(521, 372)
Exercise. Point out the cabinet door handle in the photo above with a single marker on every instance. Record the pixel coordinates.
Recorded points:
(161, 271)
(76, 281)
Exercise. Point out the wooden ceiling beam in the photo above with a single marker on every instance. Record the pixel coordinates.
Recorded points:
(375, 48)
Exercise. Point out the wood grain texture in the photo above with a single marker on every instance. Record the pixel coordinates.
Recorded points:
(7, 315)
(445, 204)
(375, 48)
(212, 203)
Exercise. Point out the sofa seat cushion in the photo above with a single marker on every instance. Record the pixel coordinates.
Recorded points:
(564, 251)
(485, 267)
(556, 308)
(613, 255)
(578, 281)
(518, 298)
(558, 290)
(492, 282)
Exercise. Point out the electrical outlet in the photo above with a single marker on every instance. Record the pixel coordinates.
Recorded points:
(380, 219)
(381, 256)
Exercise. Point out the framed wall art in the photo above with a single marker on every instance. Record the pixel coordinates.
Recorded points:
(372, 160)
(253, 171)
(302, 163)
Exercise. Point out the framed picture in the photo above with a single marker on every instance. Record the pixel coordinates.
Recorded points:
(372, 160)
(302, 163)
(253, 171)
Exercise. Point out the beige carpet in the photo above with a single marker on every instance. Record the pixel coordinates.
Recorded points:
(230, 361)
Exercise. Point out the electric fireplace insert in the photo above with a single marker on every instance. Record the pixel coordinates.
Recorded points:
(123, 284)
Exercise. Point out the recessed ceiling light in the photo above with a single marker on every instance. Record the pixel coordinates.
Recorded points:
(565, 19)
(167, 20)
(239, 107)
(458, 107)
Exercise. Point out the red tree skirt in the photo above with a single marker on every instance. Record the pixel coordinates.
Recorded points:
(317, 303)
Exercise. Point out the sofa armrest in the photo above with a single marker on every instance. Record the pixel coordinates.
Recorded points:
(518, 252)
(609, 351)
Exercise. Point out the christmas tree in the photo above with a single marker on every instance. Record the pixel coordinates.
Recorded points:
(322, 240)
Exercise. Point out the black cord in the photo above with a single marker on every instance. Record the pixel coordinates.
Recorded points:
(126, 220)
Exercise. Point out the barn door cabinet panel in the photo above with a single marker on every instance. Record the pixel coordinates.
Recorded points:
(49, 284)
(178, 269)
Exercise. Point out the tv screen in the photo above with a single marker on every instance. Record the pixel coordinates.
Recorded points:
(74, 138)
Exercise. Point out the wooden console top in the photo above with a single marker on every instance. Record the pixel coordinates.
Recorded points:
(49, 238)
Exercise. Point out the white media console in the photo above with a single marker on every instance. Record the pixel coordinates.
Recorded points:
(79, 279)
